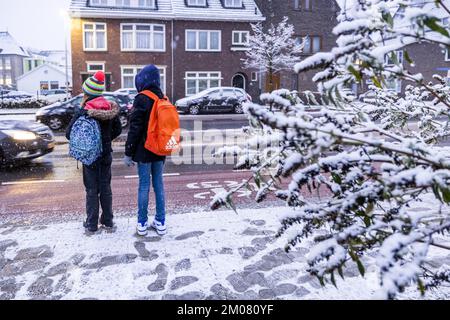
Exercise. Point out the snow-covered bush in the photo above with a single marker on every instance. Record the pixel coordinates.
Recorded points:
(366, 165)
(26, 103)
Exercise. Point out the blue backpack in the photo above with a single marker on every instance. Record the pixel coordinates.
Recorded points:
(85, 140)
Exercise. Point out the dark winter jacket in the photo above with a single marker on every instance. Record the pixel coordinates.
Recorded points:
(137, 135)
(108, 120)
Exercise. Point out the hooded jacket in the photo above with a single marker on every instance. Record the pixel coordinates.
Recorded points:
(137, 134)
(107, 115)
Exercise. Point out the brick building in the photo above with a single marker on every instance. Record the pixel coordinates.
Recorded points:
(312, 18)
(197, 44)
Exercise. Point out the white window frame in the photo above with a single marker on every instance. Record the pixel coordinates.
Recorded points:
(254, 76)
(152, 5)
(198, 78)
(136, 67)
(98, 63)
(134, 31)
(240, 43)
(231, 3)
(398, 53)
(447, 54)
(398, 86)
(197, 31)
(102, 3)
(197, 3)
(95, 36)
(123, 3)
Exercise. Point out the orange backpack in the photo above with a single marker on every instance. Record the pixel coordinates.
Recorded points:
(163, 135)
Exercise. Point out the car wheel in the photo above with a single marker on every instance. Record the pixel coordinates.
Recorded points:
(194, 110)
(238, 109)
(55, 123)
(123, 120)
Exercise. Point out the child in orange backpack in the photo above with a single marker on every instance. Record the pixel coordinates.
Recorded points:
(150, 165)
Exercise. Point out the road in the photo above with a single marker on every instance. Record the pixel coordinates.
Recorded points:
(51, 188)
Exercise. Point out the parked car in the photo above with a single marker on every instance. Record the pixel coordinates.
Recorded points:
(129, 91)
(52, 96)
(58, 115)
(23, 140)
(17, 95)
(220, 99)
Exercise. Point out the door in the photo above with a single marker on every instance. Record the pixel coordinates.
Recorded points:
(238, 81)
(215, 101)
(276, 78)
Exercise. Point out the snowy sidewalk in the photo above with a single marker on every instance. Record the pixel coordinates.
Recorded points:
(217, 255)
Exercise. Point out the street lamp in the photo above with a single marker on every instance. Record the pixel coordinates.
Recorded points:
(66, 20)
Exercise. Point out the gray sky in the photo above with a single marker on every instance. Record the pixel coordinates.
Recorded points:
(34, 23)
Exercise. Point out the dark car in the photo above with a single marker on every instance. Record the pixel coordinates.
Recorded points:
(221, 99)
(58, 115)
(23, 140)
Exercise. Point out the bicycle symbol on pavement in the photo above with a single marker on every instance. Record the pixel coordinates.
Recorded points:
(216, 187)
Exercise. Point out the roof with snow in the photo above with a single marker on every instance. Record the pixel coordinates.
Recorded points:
(9, 45)
(169, 10)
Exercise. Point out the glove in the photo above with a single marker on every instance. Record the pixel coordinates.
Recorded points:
(128, 161)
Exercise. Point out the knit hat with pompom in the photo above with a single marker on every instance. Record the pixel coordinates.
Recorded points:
(95, 85)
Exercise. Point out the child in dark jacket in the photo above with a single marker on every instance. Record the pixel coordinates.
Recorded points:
(150, 165)
(97, 177)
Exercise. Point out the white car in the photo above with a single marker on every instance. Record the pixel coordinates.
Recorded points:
(52, 96)
(131, 92)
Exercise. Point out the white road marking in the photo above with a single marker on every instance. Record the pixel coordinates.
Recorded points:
(30, 182)
(164, 175)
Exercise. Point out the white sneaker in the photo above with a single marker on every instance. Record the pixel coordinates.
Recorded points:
(159, 227)
(142, 229)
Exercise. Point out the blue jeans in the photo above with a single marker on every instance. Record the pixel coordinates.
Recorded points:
(155, 170)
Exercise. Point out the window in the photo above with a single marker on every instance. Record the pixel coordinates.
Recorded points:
(313, 44)
(93, 67)
(447, 54)
(233, 3)
(196, 3)
(99, 2)
(143, 37)
(240, 38)
(7, 63)
(199, 81)
(394, 58)
(123, 3)
(130, 72)
(394, 85)
(54, 85)
(303, 5)
(147, 3)
(203, 40)
(94, 38)
(254, 76)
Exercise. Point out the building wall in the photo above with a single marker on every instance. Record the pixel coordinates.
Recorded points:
(227, 62)
(429, 60)
(31, 82)
(319, 21)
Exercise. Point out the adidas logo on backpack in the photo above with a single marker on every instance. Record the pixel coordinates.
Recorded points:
(172, 144)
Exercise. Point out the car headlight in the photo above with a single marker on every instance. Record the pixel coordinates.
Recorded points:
(20, 135)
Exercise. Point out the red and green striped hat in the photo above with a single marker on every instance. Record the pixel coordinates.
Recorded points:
(95, 85)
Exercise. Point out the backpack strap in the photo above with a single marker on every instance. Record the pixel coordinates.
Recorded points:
(151, 95)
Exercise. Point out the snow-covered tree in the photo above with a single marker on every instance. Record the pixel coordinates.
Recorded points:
(375, 169)
(272, 50)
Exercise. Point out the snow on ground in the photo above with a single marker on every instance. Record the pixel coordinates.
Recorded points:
(218, 255)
